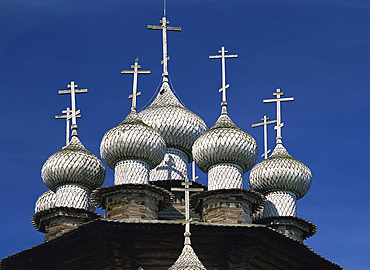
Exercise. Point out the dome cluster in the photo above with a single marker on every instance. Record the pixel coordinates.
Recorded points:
(225, 143)
(132, 139)
(281, 172)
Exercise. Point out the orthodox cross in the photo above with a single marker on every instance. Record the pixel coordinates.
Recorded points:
(223, 56)
(278, 99)
(67, 115)
(164, 29)
(73, 91)
(187, 183)
(264, 124)
(135, 71)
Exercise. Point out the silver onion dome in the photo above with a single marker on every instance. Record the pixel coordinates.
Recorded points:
(187, 260)
(281, 172)
(132, 139)
(178, 126)
(73, 165)
(45, 201)
(225, 143)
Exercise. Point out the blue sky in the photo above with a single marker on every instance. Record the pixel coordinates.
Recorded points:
(316, 51)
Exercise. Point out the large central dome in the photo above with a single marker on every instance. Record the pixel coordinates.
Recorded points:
(178, 126)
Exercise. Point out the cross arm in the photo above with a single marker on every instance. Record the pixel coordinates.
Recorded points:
(267, 123)
(65, 116)
(137, 94)
(169, 28)
(77, 91)
(267, 152)
(132, 72)
(186, 189)
(278, 99)
(221, 89)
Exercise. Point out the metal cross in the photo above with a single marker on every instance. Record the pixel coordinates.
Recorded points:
(67, 115)
(164, 29)
(135, 71)
(223, 56)
(278, 99)
(264, 124)
(73, 91)
(187, 183)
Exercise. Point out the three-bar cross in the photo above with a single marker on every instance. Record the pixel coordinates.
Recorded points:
(187, 183)
(278, 99)
(135, 71)
(67, 115)
(264, 124)
(73, 91)
(223, 56)
(164, 29)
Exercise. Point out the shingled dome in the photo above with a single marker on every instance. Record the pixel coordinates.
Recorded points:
(225, 143)
(73, 165)
(187, 260)
(281, 172)
(45, 201)
(132, 139)
(178, 126)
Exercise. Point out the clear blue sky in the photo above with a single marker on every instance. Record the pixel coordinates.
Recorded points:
(316, 51)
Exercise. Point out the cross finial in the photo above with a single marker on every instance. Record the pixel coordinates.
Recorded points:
(264, 124)
(164, 8)
(278, 100)
(67, 114)
(135, 71)
(73, 91)
(187, 183)
(164, 29)
(223, 56)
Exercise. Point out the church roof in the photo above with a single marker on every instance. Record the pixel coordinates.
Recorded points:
(212, 240)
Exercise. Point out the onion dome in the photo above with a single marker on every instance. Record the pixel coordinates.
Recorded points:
(281, 172)
(225, 143)
(187, 260)
(132, 139)
(45, 201)
(178, 126)
(73, 165)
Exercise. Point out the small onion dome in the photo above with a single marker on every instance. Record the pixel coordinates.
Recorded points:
(281, 172)
(225, 143)
(178, 126)
(45, 201)
(187, 260)
(132, 139)
(73, 165)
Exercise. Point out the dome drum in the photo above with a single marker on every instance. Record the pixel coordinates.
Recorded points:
(74, 196)
(280, 203)
(131, 172)
(174, 166)
(225, 176)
